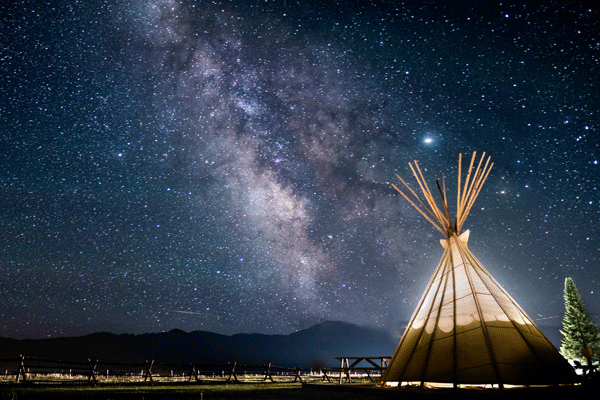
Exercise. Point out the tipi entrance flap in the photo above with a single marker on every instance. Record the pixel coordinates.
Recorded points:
(467, 328)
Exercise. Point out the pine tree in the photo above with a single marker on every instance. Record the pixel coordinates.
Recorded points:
(579, 333)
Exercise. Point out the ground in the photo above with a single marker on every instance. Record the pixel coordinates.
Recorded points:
(254, 391)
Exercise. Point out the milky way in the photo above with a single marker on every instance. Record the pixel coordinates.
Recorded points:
(218, 166)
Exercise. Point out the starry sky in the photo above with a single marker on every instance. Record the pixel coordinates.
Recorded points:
(227, 165)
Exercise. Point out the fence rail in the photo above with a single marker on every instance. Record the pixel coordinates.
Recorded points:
(34, 369)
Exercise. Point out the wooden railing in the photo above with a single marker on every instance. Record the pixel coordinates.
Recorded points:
(31, 369)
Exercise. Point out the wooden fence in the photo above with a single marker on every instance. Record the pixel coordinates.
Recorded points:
(33, 369)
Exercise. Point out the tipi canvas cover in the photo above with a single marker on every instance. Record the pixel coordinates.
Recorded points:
(466, 328)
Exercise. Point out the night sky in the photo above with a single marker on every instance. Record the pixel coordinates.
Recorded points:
(227, 166)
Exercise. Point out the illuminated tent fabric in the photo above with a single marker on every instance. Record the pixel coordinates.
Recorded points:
(466, 328)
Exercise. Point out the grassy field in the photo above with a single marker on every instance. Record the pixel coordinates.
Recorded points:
(213, 391)
(250, 390)
(155, 391)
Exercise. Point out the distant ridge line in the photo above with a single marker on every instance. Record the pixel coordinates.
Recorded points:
(314, 346)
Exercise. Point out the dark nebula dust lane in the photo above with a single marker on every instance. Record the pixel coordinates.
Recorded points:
(209, 165)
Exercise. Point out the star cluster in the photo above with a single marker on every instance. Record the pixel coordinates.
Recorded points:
(226, 166)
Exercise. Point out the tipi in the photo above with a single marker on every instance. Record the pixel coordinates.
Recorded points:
(466, 329)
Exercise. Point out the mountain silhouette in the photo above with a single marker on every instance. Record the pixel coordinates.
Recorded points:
(307, 348)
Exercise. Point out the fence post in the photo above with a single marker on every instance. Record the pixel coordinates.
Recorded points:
(92, 365)
(297, 377)
(21, 370)
(231, 367)
(148, 373)
(268, 372)
(194, 373)
(325, 376)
